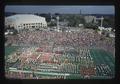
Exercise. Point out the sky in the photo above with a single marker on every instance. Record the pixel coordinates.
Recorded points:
(61, 9)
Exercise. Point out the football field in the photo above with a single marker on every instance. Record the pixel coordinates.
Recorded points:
(104, 62)
(102, 57)
(10, 49)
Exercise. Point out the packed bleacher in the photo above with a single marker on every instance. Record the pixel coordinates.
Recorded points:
(85, 38)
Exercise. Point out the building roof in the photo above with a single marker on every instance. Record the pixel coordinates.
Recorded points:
(25, 18)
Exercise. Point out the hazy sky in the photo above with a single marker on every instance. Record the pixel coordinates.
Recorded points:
(60, 9)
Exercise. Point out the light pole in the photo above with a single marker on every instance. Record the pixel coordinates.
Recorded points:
(101, 21)
(57, 23)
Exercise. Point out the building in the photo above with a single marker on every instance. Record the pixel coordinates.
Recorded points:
(89, 19)
(25, 21)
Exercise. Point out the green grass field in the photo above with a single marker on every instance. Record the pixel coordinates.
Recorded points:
(99, 57)
(103, 57)
(10, 49)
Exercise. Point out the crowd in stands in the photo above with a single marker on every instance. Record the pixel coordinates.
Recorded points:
(84, 38)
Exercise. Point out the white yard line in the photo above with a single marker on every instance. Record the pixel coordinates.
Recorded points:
(47, 73)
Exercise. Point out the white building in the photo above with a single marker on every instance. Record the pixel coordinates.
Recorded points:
(106, 29)
(89, 19)
(25, 21)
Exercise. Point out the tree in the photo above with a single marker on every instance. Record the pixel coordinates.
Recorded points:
(75, 20)
(108, 22)
(15, 31)
(57, 14)
(52, 24)
(91, 26)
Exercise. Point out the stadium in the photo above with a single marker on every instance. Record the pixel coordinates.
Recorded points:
(59, 55)
(25, 21)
